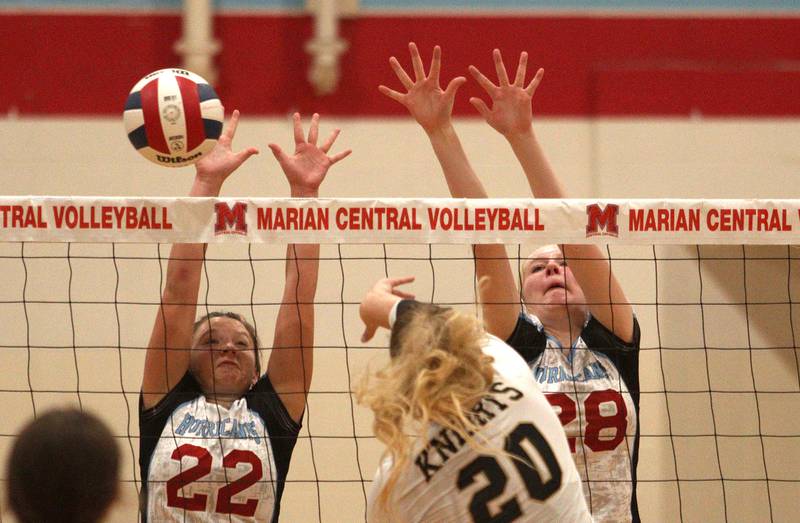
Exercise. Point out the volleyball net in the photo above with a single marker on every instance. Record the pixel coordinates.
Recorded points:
(712, 283)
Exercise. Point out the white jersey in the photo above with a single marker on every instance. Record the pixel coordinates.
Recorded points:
(588, 387)
(449, 481)
(208, 463)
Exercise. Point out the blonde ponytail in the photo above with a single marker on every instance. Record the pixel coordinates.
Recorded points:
(438, 373)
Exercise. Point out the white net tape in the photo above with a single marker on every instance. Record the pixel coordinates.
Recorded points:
(394, 220)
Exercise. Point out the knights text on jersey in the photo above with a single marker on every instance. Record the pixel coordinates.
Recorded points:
(530, 478)
(201, 462)
(594, 389)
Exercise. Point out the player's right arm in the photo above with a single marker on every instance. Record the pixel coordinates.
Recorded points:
(432, 108)
(167, 357)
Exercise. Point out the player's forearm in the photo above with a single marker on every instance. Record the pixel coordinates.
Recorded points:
(499, 296)
(186, 259)
(541, 177)
(294, 329)
(183, 274)
(461, 179)
(302, 274)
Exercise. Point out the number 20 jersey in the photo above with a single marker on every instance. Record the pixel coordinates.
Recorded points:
(594, 388)
(531, 478)
(202, 462)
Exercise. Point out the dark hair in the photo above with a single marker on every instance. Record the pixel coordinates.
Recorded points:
(407, 310)
(238, 317)
(64, 467)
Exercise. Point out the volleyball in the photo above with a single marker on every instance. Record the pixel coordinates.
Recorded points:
(173, 117)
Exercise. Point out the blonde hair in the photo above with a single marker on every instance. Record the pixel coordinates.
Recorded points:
(437, 374)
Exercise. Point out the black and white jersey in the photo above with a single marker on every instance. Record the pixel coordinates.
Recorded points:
(594, 388)
(529, 478)
(203, 462)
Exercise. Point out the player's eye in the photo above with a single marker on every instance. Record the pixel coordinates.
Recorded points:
(537, 268)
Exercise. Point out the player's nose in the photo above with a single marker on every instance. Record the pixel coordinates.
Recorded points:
(553, 267)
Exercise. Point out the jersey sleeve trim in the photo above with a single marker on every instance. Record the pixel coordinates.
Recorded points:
(263, 389)
(527, 339)
(595, 327)
(185, 388)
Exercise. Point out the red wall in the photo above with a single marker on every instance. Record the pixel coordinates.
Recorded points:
(86, 64)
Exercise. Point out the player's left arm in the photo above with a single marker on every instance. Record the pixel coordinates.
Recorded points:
(292, 360)
(511, 114)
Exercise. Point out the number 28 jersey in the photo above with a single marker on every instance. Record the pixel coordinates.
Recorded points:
(203, 462)
(594, 389)
(531, 477)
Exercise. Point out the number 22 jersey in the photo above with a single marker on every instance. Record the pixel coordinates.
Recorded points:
(594, 389)
(203, 462)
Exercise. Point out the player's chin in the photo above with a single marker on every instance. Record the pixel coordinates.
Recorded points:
(237, 389)
(230, 379)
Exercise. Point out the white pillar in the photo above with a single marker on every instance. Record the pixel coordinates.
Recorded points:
(325, 47)
(198, 47)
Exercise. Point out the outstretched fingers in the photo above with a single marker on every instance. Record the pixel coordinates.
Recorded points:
(537, 79)
(453, 86)
(416, 62)
(340, 156)
(404, 295)
(243, 155)
(396, 282)
(391, 93)
(277, 152)
(406, 80)
(502, 76)
(313, 130)
(484, 82)
(369, 333)
(436, 65)
(325, 147)
(329, 143)
(519, 80)
(299, 137)
(481, 106)
(230, 130)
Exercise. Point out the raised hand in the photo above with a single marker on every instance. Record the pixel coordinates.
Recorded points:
(378, 302)
(306, 168)
(430, 106)
(213, 169)
(511, 112)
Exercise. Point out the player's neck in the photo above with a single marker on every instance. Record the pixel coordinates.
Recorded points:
(563, 323)
(223, 400)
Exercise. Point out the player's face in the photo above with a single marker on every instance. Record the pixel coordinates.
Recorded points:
(548, 281)
(223, 358)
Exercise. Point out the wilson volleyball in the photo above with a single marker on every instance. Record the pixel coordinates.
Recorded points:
(173, 117)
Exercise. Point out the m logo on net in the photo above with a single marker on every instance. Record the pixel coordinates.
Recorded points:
(230, 220)
(602, 220)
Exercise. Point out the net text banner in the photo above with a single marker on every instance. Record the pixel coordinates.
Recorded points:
(393, 220)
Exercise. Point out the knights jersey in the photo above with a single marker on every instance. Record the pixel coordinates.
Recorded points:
(594, 389)
(203, 462)
(531, 476)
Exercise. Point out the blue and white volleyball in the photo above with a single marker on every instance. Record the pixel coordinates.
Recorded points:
(173, 117)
